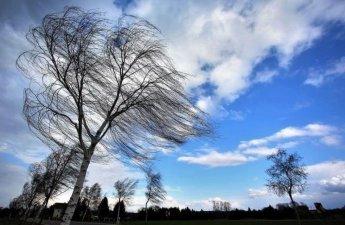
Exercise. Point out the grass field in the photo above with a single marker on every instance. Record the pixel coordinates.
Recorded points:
(196, 222)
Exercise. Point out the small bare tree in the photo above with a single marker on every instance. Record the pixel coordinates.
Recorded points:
(32, 191)
(155, 192)
(59, 174)
(124, 191)
(92, 195)
(98, 88)
(286, 176)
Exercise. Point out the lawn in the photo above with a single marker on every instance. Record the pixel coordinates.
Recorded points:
(196, 222)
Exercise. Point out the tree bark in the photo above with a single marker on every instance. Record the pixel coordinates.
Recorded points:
(295, 208)
(72, 203)
(85, 211)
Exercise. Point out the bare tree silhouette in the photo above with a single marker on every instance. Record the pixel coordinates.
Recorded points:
(92, 195)
(286, 176)
(59, 172)
(100, 89)
(124, 191)
(155, 192)
(32, 191)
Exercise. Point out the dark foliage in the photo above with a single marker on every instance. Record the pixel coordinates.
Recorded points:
(103, 209)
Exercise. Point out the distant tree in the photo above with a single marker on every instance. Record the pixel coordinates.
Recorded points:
(95, 193)
(33, 191)
(155, 192)
(103, 209)
(119, 207)
(103, 87)
(124, 191)
(218, 205)
(92, 195)
(286, 176)
(17, 206)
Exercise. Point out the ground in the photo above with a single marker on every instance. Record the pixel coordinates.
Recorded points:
(193, 222)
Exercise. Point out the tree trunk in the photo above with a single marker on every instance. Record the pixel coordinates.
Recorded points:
(72, 203)
(146, 211)
(41, 218)
(87, 207)
(295, 208)
(27, 212)
(118, 213)
(37, 218)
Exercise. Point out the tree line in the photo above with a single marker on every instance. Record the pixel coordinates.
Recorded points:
(57, 173)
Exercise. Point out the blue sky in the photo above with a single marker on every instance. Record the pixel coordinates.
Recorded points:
(270, 74)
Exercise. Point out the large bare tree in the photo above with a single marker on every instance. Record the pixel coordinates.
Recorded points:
(124, 191)
(155, 192)
(100, 88)
(286, 176)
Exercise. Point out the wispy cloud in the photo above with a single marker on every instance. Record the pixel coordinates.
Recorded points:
(217, 159)
(317, 77)
(248, 151)
(310, 130)
(259, 192)
(265, 76)
(12, 179)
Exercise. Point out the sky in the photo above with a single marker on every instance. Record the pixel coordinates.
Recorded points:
(271, 74)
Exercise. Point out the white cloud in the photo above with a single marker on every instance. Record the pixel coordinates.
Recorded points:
(327, 134)
(248, 151)
(12, 179)
(323, 172)
(265, 76)
(260, 151)
(331, 140)
(234, 38)
(255, 193)
(211, 105)
(335, 184)
(217, 159)
(317, 77)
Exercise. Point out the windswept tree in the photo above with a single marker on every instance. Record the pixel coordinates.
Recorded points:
(99, 87)
(17, 206)
(92, 195)
(286, 176)
(59, 173)
(32, 191)
(155, 192)
(124, 191)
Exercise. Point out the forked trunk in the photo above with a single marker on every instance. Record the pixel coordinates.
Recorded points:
(295, 208)
(72, 203)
